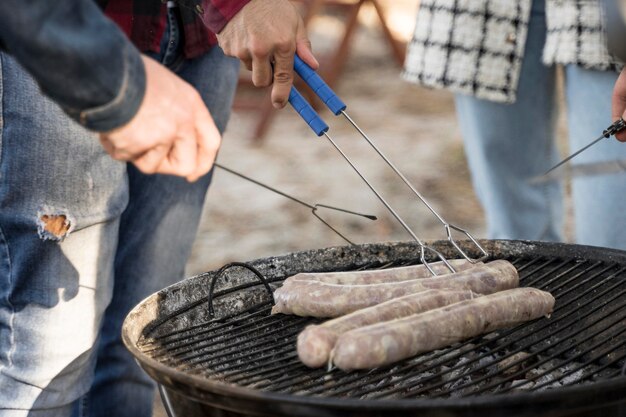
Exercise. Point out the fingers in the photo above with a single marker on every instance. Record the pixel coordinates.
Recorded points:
(175, 156)
(149, 162)
(303, 48)
(261, 70)
(283, 75)
(171, 133)
(265, 33)
(247, 61)
(208, 143)
(122, 150)
(179, 159)
(618, 102)
(283, 65)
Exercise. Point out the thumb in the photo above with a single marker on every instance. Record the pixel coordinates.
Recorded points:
(618, 103)
(303, 47)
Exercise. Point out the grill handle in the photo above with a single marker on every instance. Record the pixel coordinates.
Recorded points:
(319, 86)
(223, 269)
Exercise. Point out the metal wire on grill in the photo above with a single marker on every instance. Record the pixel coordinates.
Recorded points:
(166, 317)
(227, 267)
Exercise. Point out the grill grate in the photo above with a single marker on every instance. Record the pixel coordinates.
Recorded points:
(583, 341)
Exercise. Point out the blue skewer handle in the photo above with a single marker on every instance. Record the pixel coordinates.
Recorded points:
(307, 112)
(319, 87)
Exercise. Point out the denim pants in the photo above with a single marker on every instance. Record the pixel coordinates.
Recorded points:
(508, 144)
(83, 239)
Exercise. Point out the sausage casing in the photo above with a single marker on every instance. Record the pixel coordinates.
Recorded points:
(319, 299)
(379, 276)
(388, 342)
(316, 341)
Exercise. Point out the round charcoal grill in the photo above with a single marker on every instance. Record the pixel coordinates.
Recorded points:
(241, 361)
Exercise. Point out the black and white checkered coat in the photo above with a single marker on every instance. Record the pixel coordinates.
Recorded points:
(476, 46)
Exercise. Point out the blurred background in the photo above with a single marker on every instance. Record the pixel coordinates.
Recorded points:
(414, 127)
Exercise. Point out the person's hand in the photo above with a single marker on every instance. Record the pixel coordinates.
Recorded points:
(172, 133)
(619, 103)
(267, 32)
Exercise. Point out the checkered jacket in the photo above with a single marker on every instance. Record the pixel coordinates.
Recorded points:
(476, 46)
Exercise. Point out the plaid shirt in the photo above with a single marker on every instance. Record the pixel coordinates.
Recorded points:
(476, 47)
(144, 21)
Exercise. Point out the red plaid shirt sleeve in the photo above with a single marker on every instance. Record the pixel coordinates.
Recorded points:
(217, 13)
(144, 21)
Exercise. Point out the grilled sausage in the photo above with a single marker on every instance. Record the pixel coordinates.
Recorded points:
(384, 343)
(319, 299)
(316, 341)
(380, 276)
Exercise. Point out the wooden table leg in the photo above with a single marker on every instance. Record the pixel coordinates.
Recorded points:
(398, 48)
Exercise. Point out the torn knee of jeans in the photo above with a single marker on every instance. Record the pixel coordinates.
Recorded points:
(55, 226)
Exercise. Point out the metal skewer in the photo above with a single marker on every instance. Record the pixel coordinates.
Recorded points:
(582, 170)
(607, 133)
(446, 225)
(337, 106)
(423, 247)
(314, 207)
(320, 128)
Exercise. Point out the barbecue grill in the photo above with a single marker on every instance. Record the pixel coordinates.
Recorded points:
(212, 344)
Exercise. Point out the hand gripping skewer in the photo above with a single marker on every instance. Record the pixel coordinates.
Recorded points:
(337, 107)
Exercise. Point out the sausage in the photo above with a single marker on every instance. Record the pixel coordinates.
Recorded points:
(379, 276)
(316, 341)
(319, 299)
(384, 343)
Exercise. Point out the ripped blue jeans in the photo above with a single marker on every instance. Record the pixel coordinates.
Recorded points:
(83, 239)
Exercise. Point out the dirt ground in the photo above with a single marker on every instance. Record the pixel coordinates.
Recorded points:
(414, 127)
